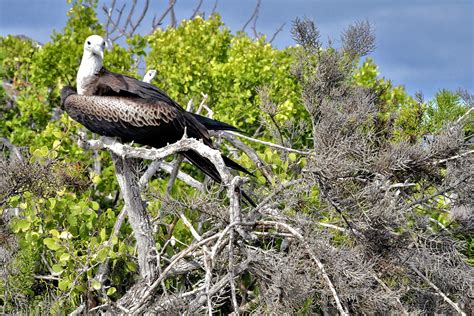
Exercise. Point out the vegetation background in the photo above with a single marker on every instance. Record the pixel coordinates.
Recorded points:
(377, 182)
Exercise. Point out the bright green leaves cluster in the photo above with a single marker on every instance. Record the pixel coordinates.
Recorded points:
(412, 119)
(446, 107)
(202, 56)
(70, 231)
(15, 57)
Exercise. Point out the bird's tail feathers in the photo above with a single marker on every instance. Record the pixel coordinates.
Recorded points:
(214, 125)
(208, 168)
(233, 165)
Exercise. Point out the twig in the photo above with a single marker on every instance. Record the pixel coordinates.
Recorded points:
(173, 22)
(129, 18)
(446, 299)
(214, 8)
(255, 12)
(386, 288)
(139, 20)
(438, 193)
(173, 175)
(469, 152)
(190, 226)
(276, 192)
(320, 265)
(208, 279)
(269, 143)
(459, 120)
(196, 10)
(148, 290)
(264, 169)
(47, 277)
(276, 33)
(108, 13)
(203, 104)
(156, 23)
(254, 25)
(150, 171)
(331, 226)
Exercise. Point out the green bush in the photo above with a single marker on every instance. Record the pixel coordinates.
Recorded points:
(71, 228)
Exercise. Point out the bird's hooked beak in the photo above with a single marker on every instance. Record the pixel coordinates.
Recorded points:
(98, 50)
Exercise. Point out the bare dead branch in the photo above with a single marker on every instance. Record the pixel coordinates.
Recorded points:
(196, 10)
(276, 33)
(253, 16)
(264, 169)
(214, 8)
(157, 22)
(329, 283)
(174, 21)
(138, 217)
(140, 19)
(128, 21)
(446, 298)
(270, 144)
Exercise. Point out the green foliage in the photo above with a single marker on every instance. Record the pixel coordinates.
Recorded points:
(202, 56)
(71, 229)
(15, 57)
(445, 107)
(395, 103)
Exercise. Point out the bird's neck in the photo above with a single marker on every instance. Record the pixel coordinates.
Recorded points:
(87, 74)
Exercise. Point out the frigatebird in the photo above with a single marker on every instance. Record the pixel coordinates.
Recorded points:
(117, 105)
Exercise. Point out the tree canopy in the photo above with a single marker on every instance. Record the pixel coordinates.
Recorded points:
(364, 192)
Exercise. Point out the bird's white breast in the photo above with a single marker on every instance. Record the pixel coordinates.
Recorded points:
(87, 75)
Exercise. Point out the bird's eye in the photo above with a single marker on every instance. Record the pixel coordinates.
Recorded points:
(88, 43)
(103, 44)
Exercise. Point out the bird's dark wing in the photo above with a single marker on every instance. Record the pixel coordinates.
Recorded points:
(147, 122)
(114, 84)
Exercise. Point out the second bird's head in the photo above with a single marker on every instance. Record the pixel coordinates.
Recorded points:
(95, 44)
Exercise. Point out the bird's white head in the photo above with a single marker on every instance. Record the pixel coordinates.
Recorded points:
(95, 45)
(91, 64)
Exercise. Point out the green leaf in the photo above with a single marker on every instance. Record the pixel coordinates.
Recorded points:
(95, 206)
(103, 234)
(292, 157)
(41, 152)
(23, 225)
(111, 291)
(65, 257)
(102, 254)
(64, 284)
(96, 284)
(114, 240)
(56, 143)
(51, 243)
(52, 202)
(131, 266)
(57, 268)
(65, 235)
(54, 233)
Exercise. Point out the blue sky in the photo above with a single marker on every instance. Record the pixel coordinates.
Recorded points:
(424, 45)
